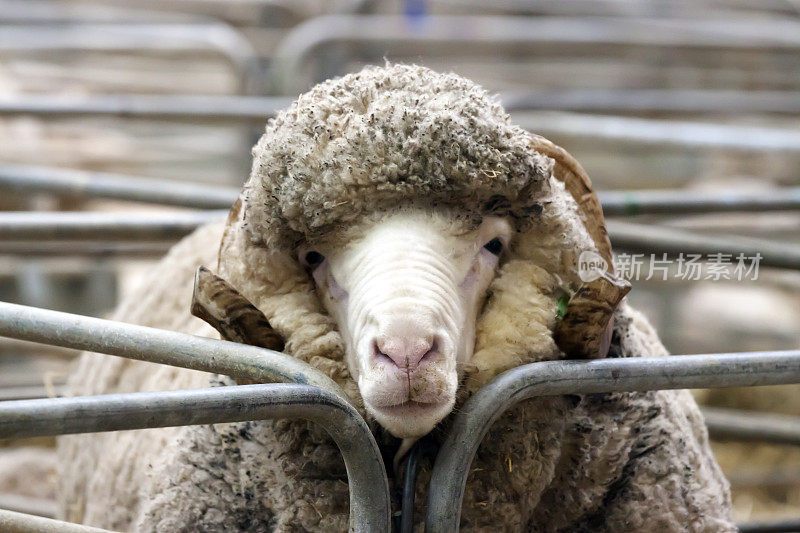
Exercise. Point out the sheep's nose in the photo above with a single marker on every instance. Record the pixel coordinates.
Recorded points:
(405, 352)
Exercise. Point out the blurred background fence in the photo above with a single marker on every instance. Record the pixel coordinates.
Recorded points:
(140, 116)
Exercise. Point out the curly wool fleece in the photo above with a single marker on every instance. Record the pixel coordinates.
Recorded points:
(602, 462)
(368, 141)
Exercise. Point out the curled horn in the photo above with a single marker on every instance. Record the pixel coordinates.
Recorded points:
(586, 327)
(216, 302)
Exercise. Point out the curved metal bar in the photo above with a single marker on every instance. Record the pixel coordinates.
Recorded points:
(128, 226)
(184, 107)
(469, 32)
(675, 202)
(101, 250)
(658, 240)
(135, 36)
(621, 8)
(752, 426)
(553, 378)
(108, 226)
(659, 132)
(779, 526)
(187, 107)
(67, 181)
(369, 488)
(695, 101)
(158, 346)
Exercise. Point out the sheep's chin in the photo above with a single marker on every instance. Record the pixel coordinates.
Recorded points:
(405, 293)
(411, 419)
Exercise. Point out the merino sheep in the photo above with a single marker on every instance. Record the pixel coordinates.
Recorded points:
(405, 238)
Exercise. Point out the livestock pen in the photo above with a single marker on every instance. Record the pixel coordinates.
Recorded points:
(122, 129)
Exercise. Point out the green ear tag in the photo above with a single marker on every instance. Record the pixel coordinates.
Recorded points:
(563, 300)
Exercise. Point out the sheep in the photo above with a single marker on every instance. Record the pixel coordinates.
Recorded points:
(405, 238)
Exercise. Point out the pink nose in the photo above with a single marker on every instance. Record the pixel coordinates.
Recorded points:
(405, 352)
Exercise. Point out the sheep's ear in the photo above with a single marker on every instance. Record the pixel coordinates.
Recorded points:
(588, 321)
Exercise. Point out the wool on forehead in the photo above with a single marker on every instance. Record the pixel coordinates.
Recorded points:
(384, 137)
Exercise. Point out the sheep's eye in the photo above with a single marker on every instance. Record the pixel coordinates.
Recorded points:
(313, 258)
(495, 246)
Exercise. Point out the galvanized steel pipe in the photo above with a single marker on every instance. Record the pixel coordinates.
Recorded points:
(391, 33)
(369, 489)
(81, 183)
(660, 133)
(184, 107)
(125, 226)
(752, 426)
(695, 101)
(257, 109)
(101, 226)
(658, 240)
(145, 37)
(680, 201)
(158, 346)
(84, 249)
(553, 378)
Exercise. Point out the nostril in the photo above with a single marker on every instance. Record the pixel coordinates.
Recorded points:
(404, 352)
(433, 349)
(378, 354)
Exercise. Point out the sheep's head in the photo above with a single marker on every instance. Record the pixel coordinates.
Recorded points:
(372, 226)
(405, 289)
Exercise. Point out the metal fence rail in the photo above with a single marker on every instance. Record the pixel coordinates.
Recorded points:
(158, 346)
(683, 134)
(25, 418)
(188, 107)
(694, 101)
(170, 37)
(84, 249)
(553, 378)
(369, 489)
(107, 226)
(393, 34)
(733, 424)
(81, 183)
(679, 202)
(31, 228)
(658, 240)
(257, 109)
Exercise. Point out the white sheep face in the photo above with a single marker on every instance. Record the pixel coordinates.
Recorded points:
(405, 290)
